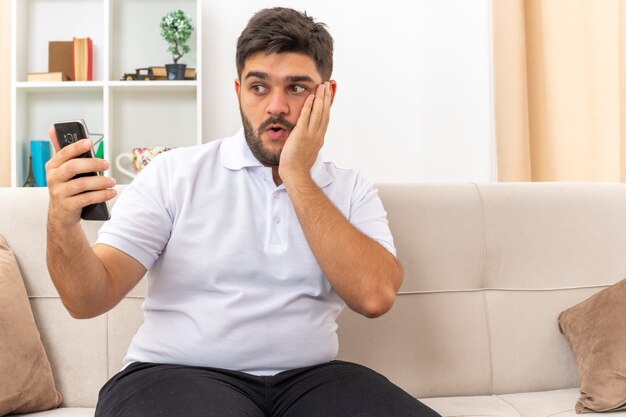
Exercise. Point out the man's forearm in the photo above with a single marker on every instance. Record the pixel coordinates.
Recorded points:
(77, 273)
(361, 270)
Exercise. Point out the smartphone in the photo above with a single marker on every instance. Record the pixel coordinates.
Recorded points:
(67, 133)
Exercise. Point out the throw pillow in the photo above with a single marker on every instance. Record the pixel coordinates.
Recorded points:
(596, 330)
(26, 382)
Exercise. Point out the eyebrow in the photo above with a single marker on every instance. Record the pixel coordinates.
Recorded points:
(289, 78)
(298, 78)
(257, 74)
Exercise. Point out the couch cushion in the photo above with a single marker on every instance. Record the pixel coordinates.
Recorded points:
(27, 384)
(422, 344)
(474, 406)
(544, 403)
(77, 350)
(553, 235)
(597, 332)
(528, 352)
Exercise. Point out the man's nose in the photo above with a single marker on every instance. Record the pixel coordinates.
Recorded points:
(278, 103)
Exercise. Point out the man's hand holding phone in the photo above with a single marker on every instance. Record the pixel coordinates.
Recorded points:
(72, 183)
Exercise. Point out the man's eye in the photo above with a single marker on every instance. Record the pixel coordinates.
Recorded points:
(297, 89)
(259, 89)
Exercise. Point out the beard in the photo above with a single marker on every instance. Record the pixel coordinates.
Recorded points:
(253, 137)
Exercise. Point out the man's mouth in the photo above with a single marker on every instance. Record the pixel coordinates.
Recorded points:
(276, 132)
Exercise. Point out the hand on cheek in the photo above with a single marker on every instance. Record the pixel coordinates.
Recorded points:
(307, 137)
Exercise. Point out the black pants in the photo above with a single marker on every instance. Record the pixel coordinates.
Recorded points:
(334, 389)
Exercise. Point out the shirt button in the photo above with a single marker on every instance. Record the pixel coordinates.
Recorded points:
(276, 196)
(276, 219)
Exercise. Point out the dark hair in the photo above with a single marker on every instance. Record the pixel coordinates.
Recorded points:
(282, 29)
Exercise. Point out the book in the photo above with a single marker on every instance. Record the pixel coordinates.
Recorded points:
(60, 57)
(82, 58)
(47, 76)
(190, 74)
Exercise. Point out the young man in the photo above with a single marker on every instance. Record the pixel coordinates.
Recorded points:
(250, 252)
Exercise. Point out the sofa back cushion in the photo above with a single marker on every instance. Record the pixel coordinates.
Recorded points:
(488, 269)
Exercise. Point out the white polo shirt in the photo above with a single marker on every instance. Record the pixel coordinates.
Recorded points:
(232, 282)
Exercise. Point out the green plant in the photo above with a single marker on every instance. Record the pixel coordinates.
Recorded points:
(176, 29)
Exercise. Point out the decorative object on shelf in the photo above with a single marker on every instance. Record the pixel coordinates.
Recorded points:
(30, 180)
(40, 155)
(139, 157)
(155, 74)
(99, 148)
(176, 29)
(60, 58)
(82, 58)
(143, 74)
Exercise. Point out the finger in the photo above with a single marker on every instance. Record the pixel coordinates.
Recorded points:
(69, 152)
(305, 113)
(74, 167)
(318, 107)
(327, 105)
(77, 166)
(89, 184)
(82, 185)
(99, 196)
(93, 197)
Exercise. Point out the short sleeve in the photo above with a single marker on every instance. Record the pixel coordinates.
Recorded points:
(141, 219)
(368, 215)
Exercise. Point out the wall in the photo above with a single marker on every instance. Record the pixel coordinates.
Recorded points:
(414, 84)
(5, 92)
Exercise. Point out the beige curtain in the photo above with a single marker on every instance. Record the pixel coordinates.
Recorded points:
(5, 93)
(560, 89)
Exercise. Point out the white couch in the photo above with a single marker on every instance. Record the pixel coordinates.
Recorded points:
(474, 329)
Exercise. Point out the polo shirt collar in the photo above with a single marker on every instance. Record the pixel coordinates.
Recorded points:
(235, 155)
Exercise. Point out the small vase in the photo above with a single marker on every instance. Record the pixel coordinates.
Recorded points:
(176, 71)
(30, 181)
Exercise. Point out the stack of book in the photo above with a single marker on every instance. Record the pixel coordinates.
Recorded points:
(67, 61)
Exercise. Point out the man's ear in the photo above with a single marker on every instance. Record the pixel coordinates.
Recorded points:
(333, 88)
(237, 86)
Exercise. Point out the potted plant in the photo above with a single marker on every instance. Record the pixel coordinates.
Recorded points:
(176, 29)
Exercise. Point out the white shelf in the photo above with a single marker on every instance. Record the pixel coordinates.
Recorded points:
(59, 87)
(160, 86)
(125, 36)
(82, 86)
